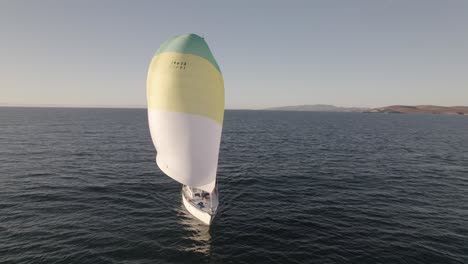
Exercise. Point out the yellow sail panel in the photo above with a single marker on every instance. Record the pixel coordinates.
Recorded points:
(187, 83)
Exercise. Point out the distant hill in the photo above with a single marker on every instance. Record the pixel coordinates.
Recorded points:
(421, 109)
(317, 108)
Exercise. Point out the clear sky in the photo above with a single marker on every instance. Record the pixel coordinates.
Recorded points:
(272, 53)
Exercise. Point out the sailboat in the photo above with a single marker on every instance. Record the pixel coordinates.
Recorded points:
(185, 97)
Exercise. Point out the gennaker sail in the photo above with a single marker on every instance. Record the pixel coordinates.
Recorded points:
(185, 96)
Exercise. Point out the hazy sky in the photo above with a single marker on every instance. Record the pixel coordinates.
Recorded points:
(271, 53)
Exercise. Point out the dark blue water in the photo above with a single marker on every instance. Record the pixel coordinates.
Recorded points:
(81, 186)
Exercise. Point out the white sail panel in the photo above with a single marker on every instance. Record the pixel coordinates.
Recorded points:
(207, 187)
(187, 146)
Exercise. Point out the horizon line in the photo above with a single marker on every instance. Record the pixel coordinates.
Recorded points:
(144, 107)
(92, 106)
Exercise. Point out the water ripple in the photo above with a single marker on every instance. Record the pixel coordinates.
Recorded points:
(81, 186)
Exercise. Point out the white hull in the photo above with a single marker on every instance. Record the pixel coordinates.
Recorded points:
(203, 215)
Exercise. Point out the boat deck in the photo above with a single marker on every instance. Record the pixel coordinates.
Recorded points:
(207, 204)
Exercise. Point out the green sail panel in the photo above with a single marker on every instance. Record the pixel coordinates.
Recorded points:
(190, 44)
